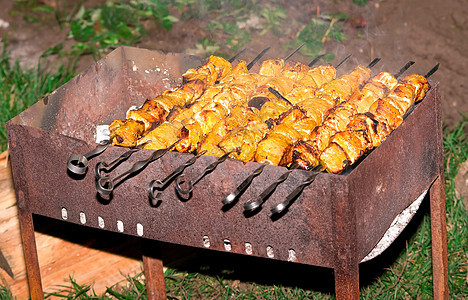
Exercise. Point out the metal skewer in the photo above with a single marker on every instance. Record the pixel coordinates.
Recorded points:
(252, 63)
(107, 167)
(232, 59)
(253, 205)
(294, 52)
(105, 185)
(180, 179)
(280, 208)
(373, 62)
(161, 184)
(278, 95)
(315, 60)
(405, 67)
(243, 186)
(78, 163)
(432, 71)
(343, 61)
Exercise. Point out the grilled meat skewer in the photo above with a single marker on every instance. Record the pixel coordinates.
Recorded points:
(384, 116)
(201, 124)
(152, 113)
(306, 152)
(276, 147)
(243, 141)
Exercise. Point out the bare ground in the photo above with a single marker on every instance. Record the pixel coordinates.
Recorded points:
(427, 32)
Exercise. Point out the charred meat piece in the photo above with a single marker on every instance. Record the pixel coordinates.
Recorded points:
(366, 131)
(338, 117)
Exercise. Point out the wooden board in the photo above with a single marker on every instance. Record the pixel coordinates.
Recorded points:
(64, 250)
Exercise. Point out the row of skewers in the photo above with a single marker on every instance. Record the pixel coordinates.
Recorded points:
(286, 114)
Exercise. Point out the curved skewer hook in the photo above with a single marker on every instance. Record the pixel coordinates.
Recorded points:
(103, 166)
(180, 179)
(78, 163)
(105, 185)
(161, 184)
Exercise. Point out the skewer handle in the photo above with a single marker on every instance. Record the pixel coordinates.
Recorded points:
(78, 163)
(280, 208)
(231, 197)
(105, 185)
(160, 184)
(179, 180)
(253, 205)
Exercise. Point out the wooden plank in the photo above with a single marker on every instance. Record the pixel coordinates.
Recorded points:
(59, 255)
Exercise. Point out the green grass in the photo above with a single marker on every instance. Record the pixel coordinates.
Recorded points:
(406, 276)
(21, 88)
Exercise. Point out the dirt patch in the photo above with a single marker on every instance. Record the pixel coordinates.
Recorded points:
(427, 32)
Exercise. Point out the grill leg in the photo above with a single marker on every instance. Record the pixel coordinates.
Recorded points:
(154, 274)
(347, 282)
(30, 254)
(439, 239)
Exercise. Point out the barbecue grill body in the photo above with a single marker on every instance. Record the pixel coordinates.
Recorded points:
(335, 222)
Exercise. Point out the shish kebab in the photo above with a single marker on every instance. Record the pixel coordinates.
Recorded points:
(411, 89)
(160, 127)
(78, 163)
(367, 130)
(196, 82)
(105, 184)
(296, 124)
(377, 86)
(363, 131)
(306, 151)
(241, 141)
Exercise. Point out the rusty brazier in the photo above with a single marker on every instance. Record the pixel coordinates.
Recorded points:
(334, 223)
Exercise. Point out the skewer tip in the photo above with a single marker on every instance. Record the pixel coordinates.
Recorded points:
(432, 71)
(343, 61)
(373, 62)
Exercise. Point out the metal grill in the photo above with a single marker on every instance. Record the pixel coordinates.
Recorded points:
(335, 222)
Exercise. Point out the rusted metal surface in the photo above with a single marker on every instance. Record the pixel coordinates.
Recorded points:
(154, 273)
(439, 240)
(439, 217)
(31, 260)
(334, 223)
(396, 173)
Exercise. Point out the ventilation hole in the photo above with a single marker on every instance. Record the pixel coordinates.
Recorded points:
(140, 229)
(227, 245)
(82, 217)
(64, 213)
(120, 226)
(270, 252)
(292, 255)
(206, 241)
(100, 221)
(248, 248)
